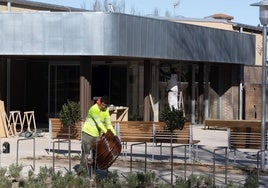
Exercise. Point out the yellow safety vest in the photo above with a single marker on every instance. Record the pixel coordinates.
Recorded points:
(97, 122)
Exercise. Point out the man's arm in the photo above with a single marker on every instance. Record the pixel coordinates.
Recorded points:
(108, 122)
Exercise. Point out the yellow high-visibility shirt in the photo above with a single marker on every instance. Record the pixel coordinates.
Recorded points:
(97, 122)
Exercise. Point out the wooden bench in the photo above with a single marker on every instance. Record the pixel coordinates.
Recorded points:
(142, 131)
(153, 132)
(240, 138)
(135, 131)
(242, 134)
(58, 131)
(245, 137)
(60, 134)
(220, 123)
(184, 136)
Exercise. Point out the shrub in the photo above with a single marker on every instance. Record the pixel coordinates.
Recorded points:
(3, 172)
(251, 181)
(14, 171)
(70, 113)
(5, 182)
(45, 178)
(44, 174)
(194, 181)
(174, 118)
(112, 180)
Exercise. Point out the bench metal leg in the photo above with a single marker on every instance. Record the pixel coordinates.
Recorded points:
(190, 151)
(53, 157)
(124, 149)
(17, 156)
(161, 149)
(145, 155)
(194, 151)
(171, 161)
(258, 161)
(197, 151)
(234, 156)
(214, 163)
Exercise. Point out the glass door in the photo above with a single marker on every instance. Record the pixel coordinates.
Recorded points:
(63, 86)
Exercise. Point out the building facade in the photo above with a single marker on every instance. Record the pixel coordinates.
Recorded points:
(49, 57)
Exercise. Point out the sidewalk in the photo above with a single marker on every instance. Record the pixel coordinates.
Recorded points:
(203, 163)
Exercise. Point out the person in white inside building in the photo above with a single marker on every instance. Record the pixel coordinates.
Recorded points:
(172, 89)
(171, 76)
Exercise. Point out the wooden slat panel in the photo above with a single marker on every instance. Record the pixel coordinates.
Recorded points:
(61, 132)
(219, 123)
(177, 136)
(244, 134)
(136, 131)
(3, 122)
(141, 131)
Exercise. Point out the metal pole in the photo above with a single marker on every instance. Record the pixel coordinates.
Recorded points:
(69, 148)
(241, 92)
(263, 103)
(193, 96)
(206, 77)
(8, 80)
(241, 80)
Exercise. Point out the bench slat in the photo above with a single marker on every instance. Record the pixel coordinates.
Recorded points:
(242, 134)
(140, 131)
(58, 131)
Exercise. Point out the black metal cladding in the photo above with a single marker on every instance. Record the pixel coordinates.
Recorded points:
(113, 34)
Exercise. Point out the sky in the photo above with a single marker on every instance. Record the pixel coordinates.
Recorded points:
(239, 9)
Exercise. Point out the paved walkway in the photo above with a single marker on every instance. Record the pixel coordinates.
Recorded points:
(22, 150)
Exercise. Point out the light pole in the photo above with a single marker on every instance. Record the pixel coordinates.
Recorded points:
(263, 16)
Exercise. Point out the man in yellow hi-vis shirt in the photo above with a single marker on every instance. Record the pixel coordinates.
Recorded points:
(97, 122)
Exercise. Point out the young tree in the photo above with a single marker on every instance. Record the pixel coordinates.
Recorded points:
(120, 6)
(132, 10)
(105, 6)
(156, 12)
(83, 5)
(97, 5)
(167, 14)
